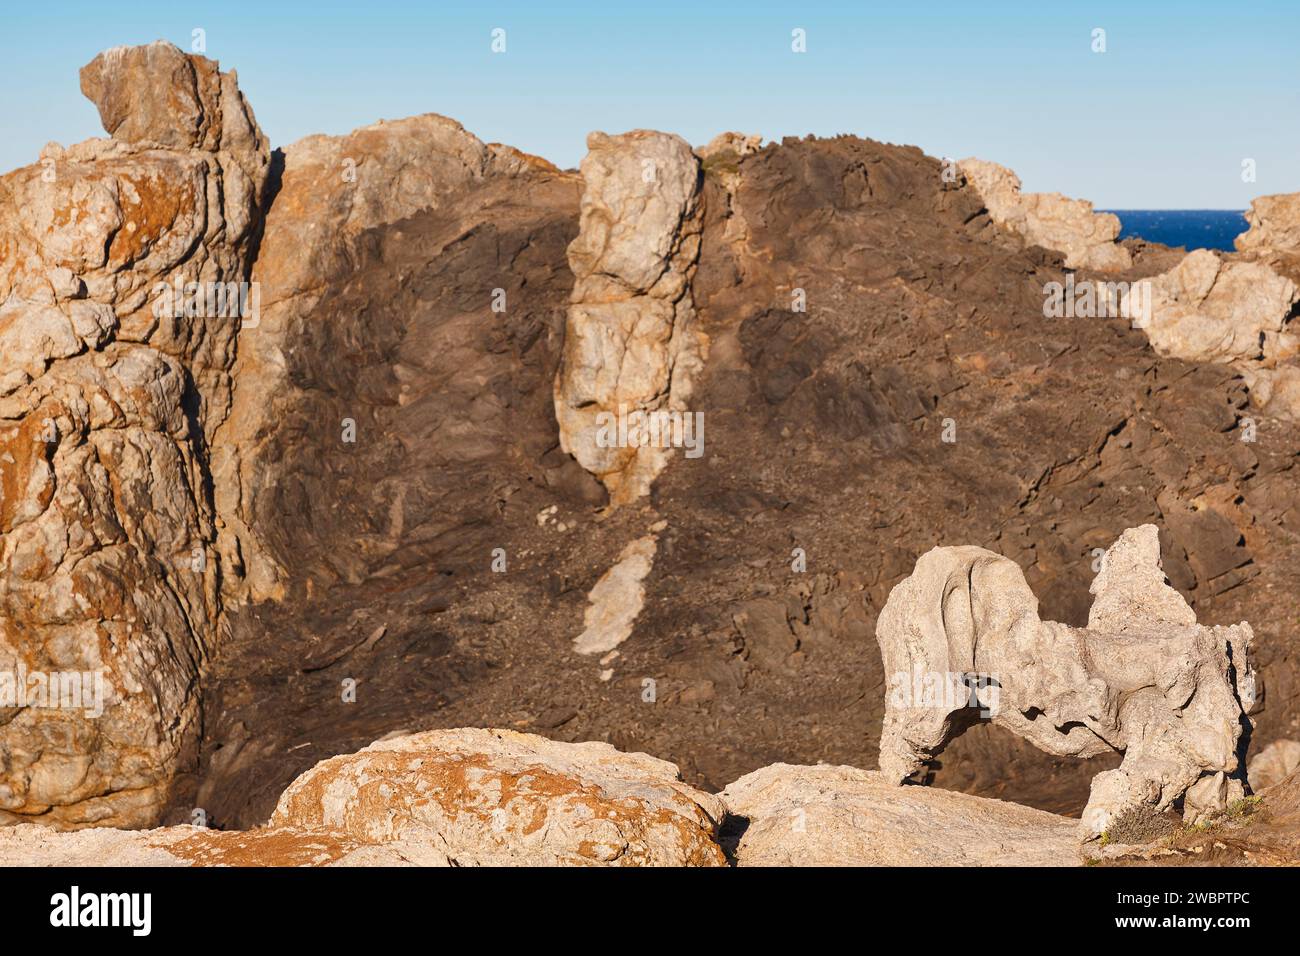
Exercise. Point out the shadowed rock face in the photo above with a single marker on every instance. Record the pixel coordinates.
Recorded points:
(393, 537)
(389, 432)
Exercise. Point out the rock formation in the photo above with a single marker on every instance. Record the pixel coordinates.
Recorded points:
(347, 494)
(336, 213)
(1236, 309)
(1142, 679)
(120, 303)
(1273, 764)
(1209, 309)
(495, 798)
(1069, 226)
(1274, 233)
(631, 346)
(617, 599)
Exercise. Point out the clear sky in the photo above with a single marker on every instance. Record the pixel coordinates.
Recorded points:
(1163, 119)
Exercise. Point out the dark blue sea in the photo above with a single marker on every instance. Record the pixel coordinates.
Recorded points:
(1193, 228)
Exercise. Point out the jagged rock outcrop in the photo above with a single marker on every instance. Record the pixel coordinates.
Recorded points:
(1274, 233)
(391, 440)
(962, 637)
(1231, 310)
(122, 291)
(1209, 309)
(842, 816)
(1069, 226)
(632, 348)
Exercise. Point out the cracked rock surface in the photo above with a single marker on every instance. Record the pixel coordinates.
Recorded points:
(631, 343)
(108, 402)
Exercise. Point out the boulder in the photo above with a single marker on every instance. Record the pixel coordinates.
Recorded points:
(1069, 226)
(617, 599)
(841, 816)
(962, 640)
(335, 194)
(439, 798)
(494, 797)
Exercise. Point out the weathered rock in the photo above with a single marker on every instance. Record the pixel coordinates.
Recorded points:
(497, 797)
(120, 305)
(1209, 309)
(617, 599)
(157, 94)
(962, 637)
(721, 156)
(1069, 226)
(440, 798)
(1274, 233)
(1233, 311)
(631, 344)
(1273, 764)
(729, 146)
(842, 816)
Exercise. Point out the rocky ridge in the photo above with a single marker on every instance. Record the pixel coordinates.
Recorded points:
(374, 484)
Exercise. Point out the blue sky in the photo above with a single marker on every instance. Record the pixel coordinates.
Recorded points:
(1163, 119)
